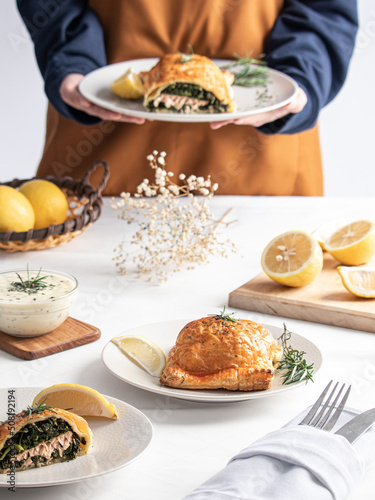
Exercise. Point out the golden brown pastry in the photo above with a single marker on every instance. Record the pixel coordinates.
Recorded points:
(192, 85)
(42, 437)
(214, 353)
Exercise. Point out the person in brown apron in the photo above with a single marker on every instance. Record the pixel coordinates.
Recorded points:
(241, 159)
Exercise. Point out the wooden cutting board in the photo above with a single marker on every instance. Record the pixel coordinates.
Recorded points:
(72, 333)
(326, 300)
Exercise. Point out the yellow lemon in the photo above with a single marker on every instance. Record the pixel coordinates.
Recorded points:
(48, 201)
(293, 259)
(16, 212)
(358, 280)
(128, 86)
(80, 399)
(353, 244)
(144, 352)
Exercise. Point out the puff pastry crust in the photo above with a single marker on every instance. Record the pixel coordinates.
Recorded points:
(212, 354)
(198, 70)
(78, 425)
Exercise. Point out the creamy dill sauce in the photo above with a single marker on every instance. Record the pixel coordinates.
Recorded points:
(55, 287)
(34, 310)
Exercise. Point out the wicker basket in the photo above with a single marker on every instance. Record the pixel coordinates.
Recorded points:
(85, 206)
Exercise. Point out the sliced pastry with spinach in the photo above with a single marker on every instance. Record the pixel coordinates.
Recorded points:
(42, 435)
(192, 83)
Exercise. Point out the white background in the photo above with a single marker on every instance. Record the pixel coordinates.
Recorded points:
(347, 130)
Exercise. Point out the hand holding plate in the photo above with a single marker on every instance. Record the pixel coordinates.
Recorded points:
(295, 106)
(71, 95)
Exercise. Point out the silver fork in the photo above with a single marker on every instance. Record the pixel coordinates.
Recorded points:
(319, 419)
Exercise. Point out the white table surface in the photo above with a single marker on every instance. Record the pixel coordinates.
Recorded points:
(191, 441)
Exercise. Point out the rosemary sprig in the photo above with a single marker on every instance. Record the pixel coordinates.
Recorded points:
(40, 408)
(186, 57)
(225, 317)
(29, 286)
(294, 363)
(248, 71)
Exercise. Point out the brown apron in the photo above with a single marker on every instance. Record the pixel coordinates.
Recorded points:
(239, 158)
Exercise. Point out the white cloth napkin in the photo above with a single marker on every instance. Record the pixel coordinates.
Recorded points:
(294, 462)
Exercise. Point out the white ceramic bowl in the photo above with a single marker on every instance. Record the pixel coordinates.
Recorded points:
(35, 312)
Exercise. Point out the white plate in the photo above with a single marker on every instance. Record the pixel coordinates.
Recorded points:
(95, 86)
(165, 334)
(116, 443)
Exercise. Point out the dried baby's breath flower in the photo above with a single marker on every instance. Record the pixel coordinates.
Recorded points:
(170, 234)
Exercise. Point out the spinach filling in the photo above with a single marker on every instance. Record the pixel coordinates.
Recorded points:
(33, 434)
(191, 90)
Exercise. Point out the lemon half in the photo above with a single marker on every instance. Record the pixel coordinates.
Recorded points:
(293, 259)
(79, 399)
(358, 280)
(128, 86)
(144, 352)
(353, 244)
(323, 232)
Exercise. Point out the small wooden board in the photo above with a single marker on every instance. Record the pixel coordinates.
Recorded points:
(326, 300)
(72, 333)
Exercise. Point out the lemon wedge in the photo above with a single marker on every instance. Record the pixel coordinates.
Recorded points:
(128, 86)
(293, 259)
(79, 399)
(353, 244)
(358, 280)
(144, 352)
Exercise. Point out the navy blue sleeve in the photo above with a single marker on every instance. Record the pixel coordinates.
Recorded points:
(312, 41)
(68, 38)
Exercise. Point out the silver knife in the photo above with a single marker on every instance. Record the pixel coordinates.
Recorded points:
(357, 426)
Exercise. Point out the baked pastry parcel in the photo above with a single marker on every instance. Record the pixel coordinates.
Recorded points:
(215, 353)
(192, 84)
(42, 437)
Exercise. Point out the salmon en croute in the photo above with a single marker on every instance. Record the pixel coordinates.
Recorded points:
(218, 353)
(39, 436)
(192, 85)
